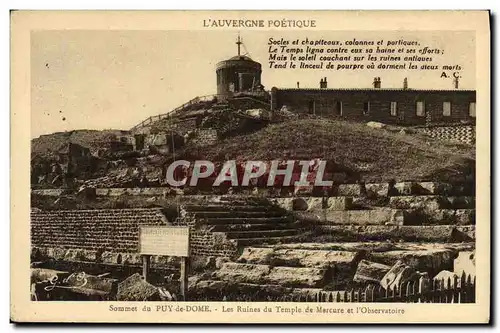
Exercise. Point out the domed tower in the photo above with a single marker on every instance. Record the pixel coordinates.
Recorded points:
(237, 74)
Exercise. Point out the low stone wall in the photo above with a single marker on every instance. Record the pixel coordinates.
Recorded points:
(337, 190)
(463, 134)
(438, 233)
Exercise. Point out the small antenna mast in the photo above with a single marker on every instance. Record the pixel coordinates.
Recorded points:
(239, 42)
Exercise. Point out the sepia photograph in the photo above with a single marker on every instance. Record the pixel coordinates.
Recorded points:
(255, 158)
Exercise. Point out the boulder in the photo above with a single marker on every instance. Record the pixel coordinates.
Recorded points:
(111, 258)
(339, 203)
(349, 190)
(398, 217)
(465, 262)
(136, 259)
(404, 188)
(90, 255)
(72, 255)
(426, 203)
(370, 272)
(432, 260)
(202, 263)
(220, 261)
(297, 276)
(377, 190)
(315, 203)
(434, 188)
(465, 216)
(135, 288)
(45, 274)
(255, 255)
(379, 216)
(285, 203)
(56, 253)
(375, 124)
(342, 260)
(446, 279)
(241, 273)
(398, 274)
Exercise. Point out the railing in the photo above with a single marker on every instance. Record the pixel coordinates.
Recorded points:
(153, 119)
(457, 290)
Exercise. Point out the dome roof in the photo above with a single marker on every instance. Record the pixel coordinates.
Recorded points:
(241, 57)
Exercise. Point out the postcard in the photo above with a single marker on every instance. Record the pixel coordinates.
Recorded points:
(250, 166)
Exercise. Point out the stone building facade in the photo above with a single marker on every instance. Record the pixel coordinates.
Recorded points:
(396, 106)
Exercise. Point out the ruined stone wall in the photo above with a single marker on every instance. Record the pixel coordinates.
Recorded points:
(204, 242)
(207, 243)
(115, 230)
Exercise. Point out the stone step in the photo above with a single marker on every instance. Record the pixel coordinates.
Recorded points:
(437, 233)
(432, 202)
(391, 216)
(373, 246)
(252, 227)
(261, 233)
(232, 213)
(266, 240)
(247, 220)
(227, 207)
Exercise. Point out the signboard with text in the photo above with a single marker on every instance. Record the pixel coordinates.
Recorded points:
(164, 241)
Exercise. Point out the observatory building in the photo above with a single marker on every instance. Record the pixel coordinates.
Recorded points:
(237, 74)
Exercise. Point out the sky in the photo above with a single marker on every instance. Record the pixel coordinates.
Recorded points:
(88, 79)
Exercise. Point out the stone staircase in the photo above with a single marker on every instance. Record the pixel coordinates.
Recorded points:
(245, 221)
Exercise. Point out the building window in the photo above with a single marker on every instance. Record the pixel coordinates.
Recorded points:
(366, 108)
(420, 109)
(394, 109)
(338, 108)
(446, 109)
(312, 107)
(472, 109)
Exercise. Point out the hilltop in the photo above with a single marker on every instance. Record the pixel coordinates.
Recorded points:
(376, 154)
(362, 152)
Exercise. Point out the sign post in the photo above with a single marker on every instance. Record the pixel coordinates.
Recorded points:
(146, 262)
(165, 241)
(184, 277)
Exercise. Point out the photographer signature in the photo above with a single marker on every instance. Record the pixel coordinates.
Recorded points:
(80, 278)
